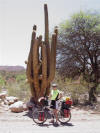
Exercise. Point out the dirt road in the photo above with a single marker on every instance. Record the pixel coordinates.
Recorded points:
(81, 122)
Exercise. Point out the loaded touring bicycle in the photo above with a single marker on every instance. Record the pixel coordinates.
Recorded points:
(43, 111)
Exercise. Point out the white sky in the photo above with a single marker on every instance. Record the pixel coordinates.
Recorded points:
(18, 16)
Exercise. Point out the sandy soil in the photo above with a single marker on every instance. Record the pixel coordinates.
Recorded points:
(81, 122)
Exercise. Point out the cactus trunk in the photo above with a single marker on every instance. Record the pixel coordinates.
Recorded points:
(41, 61)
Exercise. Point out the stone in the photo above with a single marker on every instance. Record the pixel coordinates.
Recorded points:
(11, 99)
(25, 107)
(17, 107)
(3, 95)
(6, 102)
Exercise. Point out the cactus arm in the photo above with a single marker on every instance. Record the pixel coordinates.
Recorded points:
(46, 24)
(32, 89)
(52, 59)
(29, 70)
(47, 90)
(56, 32)
(36, 65)
(44, 70)
(47, 38)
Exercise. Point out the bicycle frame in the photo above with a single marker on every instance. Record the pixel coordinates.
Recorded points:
(48, 108)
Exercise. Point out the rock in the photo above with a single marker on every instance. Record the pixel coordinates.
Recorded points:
(25, 107)
(6, 102)
(11, 99)
(2, 103)
(3, 95)
(17, 107)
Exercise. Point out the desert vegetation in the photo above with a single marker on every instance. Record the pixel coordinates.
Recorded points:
(78, 62)
(15, 84)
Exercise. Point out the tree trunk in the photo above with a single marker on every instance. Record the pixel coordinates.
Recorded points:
(92, 94)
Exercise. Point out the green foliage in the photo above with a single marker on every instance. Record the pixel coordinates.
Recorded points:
(85, 21)
(20, 77)
(15, 84)
(20, 90)
(74, 88)
(79, 50)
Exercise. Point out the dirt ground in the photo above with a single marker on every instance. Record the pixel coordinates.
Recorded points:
(82, 122)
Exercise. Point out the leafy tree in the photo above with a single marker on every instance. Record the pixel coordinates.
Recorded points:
(78, 51)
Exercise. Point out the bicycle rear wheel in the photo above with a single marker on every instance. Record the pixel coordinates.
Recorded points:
(39, 117)
(62, 118)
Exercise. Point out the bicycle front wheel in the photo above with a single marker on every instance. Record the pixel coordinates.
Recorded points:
(63, 118)
(39, 117)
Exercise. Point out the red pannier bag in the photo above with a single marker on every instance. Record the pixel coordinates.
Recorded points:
(66, 113)
(41, 116)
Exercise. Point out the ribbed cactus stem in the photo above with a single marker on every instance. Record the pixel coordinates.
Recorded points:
(47, 90)
(46, 24)
(44, 70)
(47, 38)
(29, 70)
(56, 32)
(52, 59)
(40, 40)
(33, 91)
(36, 65)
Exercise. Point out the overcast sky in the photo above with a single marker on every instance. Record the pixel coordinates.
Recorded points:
(18, 16)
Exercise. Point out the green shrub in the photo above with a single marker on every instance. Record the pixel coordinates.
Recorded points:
(72, 88)
(20, 90)
(20, 77)
(2, 82)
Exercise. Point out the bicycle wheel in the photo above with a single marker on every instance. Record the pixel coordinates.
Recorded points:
(39, 117)
(62, 118)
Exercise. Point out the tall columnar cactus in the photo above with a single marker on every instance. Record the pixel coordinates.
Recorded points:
(41, 63)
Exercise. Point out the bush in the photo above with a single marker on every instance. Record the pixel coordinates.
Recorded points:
(20, 77)
(73, 88)
(15, 84)
(20, 90)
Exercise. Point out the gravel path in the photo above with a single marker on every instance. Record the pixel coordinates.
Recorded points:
(81, 122)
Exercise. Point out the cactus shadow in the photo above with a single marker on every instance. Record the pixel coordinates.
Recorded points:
(28, 114)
